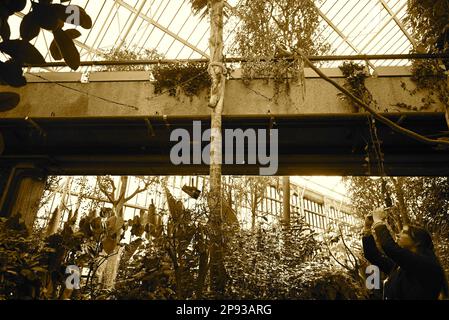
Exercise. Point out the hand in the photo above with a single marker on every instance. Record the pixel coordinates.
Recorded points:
(368, 221)
(379, 215)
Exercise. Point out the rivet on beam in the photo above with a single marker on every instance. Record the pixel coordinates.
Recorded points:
(150, 128)
(36, 126)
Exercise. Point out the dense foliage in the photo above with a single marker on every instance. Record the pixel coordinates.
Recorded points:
(429, 23)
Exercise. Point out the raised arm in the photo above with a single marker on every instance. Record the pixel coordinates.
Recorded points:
(405, 258)
(370, 250)
(374, 256)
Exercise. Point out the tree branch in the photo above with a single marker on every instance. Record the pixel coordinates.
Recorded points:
(375, 115)
(105, 191)
(139, 190)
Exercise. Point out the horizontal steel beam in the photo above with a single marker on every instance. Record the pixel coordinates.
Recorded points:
(237, 59)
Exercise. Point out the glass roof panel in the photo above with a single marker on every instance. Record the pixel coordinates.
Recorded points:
(170, 27)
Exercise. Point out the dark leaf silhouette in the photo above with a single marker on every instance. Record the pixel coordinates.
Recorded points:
(22, 51)
(48, 16)
(15, 5)
(12, 74)
(8, 100)
(5, 30)
(29, 28)
(54, 49)
(67, 49)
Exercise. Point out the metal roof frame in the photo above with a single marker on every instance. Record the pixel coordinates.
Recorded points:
(155, 21)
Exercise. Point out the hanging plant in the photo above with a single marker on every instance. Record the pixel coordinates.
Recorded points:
(355, 75)
(189, 78)
(430, 77)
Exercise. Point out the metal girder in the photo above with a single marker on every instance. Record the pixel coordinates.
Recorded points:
(160, 27)
(136, 15)
(381, 28)
(398, 22)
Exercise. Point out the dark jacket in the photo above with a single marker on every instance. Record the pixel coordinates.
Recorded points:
(411, 276)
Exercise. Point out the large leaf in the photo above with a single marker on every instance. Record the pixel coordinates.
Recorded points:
(15, 5)
(109, 245)
(5, 30)
(22, 51)
(48, 16)
(29, 27)
(8, 100)
(67, 48)
(11, 73)
(73, 33)
(54, 51)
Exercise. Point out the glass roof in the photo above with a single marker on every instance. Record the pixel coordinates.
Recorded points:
(169, 26)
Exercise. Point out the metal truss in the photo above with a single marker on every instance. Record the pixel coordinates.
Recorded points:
(170, 28)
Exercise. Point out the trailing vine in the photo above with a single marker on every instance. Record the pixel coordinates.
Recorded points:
(355, 75)
(430, 77)
(189, 78)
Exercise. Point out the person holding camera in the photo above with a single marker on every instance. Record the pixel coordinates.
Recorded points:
(413, 270)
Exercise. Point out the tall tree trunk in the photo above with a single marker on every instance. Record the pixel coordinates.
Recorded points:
(398, 184)
(253, 210)
(216, 71)
(113, 262)
(286, 201)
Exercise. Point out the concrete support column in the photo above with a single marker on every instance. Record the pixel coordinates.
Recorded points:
(21, 190)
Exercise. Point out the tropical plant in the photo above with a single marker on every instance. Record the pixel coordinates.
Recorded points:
(44, 14)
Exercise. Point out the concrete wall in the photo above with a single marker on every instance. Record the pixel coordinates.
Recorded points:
(63, 95)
